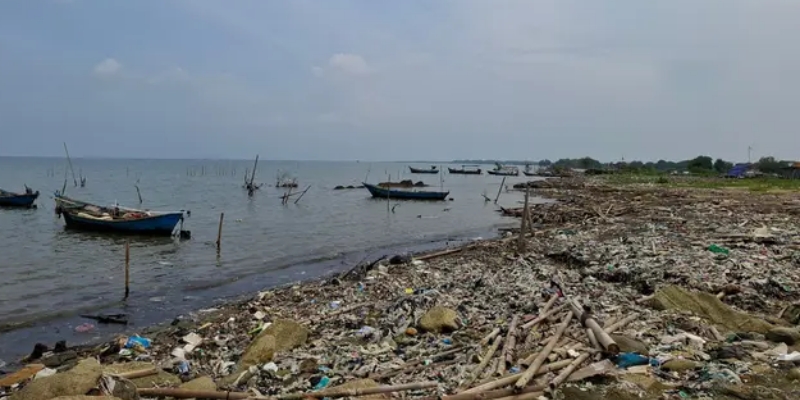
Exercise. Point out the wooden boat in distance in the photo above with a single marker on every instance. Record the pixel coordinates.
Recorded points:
(503, 170)
(399, 194)
(18, 200)
(465, 170)
(85, 216)
(432, 170)
(528, 171)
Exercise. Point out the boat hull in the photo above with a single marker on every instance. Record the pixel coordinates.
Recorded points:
(503, 173)
(158, 225)
(19, 200)
(423, 171)
(382, 193)
(464, 172)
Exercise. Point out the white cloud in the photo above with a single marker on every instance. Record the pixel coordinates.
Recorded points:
(349, 63)
(107, 67)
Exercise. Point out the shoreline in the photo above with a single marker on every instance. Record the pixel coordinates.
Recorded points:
(641, 257)
(221, 295)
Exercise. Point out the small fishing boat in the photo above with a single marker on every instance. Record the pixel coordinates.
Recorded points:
(528, 171)
(400, 194)
(503, 170)
(465, 170)
(116, 219)
(18, 200)
(432, 170)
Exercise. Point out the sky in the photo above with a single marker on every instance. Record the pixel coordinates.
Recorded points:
(400, 80)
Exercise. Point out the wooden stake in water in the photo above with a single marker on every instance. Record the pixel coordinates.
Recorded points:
(502, 184)
(127, 269)
(219, 232)
(523, 227)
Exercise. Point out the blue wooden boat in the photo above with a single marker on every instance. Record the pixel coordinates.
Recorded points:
(399, 194)
(432, 170)
(90, 217)
(18, 200)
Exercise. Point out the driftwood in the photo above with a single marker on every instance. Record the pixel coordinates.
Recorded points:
(507, 356)
(620, 324)
(588, 321)
(415, 365)
(331, 393)
(490, 336)
(539, 361)
(562, 377)
(136, 374)
(543, 316)
(511, 378)
(485, 361)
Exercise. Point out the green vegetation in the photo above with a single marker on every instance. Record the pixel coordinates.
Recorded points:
(762, 184)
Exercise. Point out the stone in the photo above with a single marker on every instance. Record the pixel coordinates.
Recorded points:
(309, 365)
(439, 319)
(203, 383)
(260, 351)
(709, 307)
(75, 382)
(162, 378)
(786, 335)
(793, 374)
(288, 334)
(630, 345)
(679, 365)
(59, 359)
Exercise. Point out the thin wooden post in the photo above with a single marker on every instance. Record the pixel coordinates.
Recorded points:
(219, 231)
(523, 227)
(127, 269)
(503, 183)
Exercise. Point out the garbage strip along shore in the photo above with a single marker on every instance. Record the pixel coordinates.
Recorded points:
(621, 292)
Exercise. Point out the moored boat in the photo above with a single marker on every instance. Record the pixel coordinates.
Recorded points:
(18, 200)
(465, 170)
(399, 194)
(85, 216)
(433, 170)
(503, 170)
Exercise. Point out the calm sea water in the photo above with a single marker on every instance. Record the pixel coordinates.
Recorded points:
(51, 275)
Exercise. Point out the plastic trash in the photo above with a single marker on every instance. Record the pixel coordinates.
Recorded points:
(83, 328)
(718, 249)
(627, 360)
(335, 304)
(323, 383)
(137, 341)
(365, 331)
(183, 367)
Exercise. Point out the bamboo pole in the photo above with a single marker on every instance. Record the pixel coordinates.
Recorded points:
(330, 393)
(539, 361)
(511, 378)
(588, 322)
(219, 232)
(137, 374)
(490, 336)
(622, 323)
(523, 225)
(484, 362)
(542, 317)
(302, 194)
(562, 377)
(508, 349)
(502, 184)
(127, 269)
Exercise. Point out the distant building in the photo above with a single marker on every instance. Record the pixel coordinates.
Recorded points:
(739, 170)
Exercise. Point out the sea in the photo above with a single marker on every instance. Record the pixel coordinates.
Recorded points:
(52, 276)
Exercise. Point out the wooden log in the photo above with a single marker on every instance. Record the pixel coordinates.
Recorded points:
(508, 348)
(621, 324)
(484, 362)
(588, 322)
(562, 377)
(511, 378)
(542, 317)
(539, 361)
(330, 393)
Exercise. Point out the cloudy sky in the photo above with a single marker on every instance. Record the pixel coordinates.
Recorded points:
(400, 80)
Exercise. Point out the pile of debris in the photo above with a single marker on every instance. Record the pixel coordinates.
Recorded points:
(633, 293)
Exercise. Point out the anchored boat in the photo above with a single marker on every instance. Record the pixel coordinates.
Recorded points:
(400, 194)
(18, 200)
(91, 217)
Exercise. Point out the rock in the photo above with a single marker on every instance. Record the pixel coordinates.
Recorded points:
(789, 336)
(162, 378)
(260, 351)
(288, 334)
(362, 384)
(709, 307)
(77, 381)
(679, 365)
(309, 365)
(793, 374)
(439, 319)
(630, 345)
(21, 376)
(203, 383)
(59, 359)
